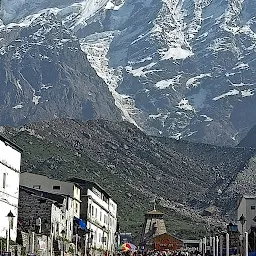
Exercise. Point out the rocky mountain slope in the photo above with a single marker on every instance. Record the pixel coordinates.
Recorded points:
(183, 69)
(135, 168)
(44, 74)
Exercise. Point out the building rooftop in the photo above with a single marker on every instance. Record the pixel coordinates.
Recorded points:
(50, 178)
(155, 212)
(10, 143)
(83, 182)
(249, 197)
(46, 195)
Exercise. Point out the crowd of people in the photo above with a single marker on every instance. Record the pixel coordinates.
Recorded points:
(187, 252)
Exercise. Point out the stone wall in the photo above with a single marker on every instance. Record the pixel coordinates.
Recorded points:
(31, 207)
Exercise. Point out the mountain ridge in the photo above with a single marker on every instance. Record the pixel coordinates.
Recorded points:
(180, 69)
(136, 168)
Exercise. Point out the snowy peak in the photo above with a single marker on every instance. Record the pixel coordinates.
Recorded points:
(179, 68)
(16, 10)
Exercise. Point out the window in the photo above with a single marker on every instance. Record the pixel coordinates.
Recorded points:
(36, 186)
(67, 204)
(96, 212)
(92, 210)
(56, 187)
(4, 180)
(76, 207)
(100, 216)
(253, 207)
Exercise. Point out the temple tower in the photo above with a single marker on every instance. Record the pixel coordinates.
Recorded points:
(153, 226)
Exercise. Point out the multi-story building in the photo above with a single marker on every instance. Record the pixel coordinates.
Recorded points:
(41, 182)
(69, 190)
(100, 212)
(247, 209)
(10, 159)
(45, 213)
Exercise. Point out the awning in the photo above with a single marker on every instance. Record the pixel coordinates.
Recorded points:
(81, 223)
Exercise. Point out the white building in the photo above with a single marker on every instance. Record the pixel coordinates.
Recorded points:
(247, 208)
(41, 182)
(100, 212)
(10, 159)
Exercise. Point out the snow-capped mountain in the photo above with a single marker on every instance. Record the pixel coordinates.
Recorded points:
(44, 72)
(179, 68)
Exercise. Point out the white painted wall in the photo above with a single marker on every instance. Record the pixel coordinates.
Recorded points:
(102, 214)
(62, 219)
(247, 207)
(10, 159)
(112, 224)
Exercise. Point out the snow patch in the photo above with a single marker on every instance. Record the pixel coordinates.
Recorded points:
(242, 66)
(247, 93)
(207, 118)
(45, 87)
(184, 104)
(176, 53)
(140, 71)
(112, 6)
(18, 106)
(155, 116)
(230, 93)
(35, 98)
(167, 83)
(193, 82)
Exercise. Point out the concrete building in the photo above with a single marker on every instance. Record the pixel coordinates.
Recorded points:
(247, 208)
(10, 159)
(43, 183)
(100, 212)
(45, 214)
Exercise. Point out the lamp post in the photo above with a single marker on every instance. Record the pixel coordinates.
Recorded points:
(242, 220)
(10, 217)
(63, 237)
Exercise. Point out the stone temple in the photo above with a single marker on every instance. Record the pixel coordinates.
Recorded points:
(153, 226)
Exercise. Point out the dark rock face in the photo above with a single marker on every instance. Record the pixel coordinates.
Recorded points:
(44, 74)
(249, 141)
